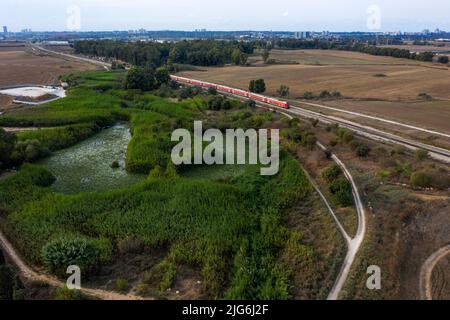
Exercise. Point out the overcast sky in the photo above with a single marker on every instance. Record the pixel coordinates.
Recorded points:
(289, 15)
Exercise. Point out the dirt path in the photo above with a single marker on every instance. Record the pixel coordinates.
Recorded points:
(29, 274)
(426, 292)
(14, 129)
(353, 244)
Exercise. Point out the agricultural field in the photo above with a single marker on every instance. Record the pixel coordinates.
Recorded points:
(383, 86)
(22, 65)
(352, 74)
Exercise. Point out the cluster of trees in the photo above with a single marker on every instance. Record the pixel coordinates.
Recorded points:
(198, 52)
(325, 94)
(146, 79)
(443, 59)
(339, 187)
(257, 86)
(353, 46)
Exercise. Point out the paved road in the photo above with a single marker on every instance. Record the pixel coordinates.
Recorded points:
(426, 292)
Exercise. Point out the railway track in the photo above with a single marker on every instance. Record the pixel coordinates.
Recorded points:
(436, 153)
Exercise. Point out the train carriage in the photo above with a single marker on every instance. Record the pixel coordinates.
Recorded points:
(239, 92)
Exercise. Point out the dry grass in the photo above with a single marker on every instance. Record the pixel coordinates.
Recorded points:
(394, 96)
(353, 74)
(20, 65)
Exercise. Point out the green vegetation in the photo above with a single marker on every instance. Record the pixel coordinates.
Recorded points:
(352, 45)
(283, 91)
(198, 52)
(443, 59)
(257, 86)
(7, 143)
(121, 285)
(331, 173)
(341, 189)
(65, 251)
(232, 230)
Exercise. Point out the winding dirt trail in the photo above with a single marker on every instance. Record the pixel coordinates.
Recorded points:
(353, 244)
(30, 275)
(426, 292)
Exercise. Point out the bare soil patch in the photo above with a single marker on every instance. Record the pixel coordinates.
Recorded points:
(21, 65)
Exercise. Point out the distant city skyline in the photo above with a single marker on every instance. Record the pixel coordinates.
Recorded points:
(283, 15)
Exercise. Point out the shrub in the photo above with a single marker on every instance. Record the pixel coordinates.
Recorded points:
(308, 95)
(421, 179)
(341, 189)
(363, 151)
(64, 293)
(347, 137)
(331, 173)
(422, 154)
(60, 253)
(121, 285)
(325, 94)
(212, 91)
(250, 103)
(425, 96)
(334, 142)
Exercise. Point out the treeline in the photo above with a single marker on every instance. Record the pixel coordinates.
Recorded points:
(198, 52)
(352, 46)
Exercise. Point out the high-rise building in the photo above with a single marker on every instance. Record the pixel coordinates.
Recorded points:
(5, 29)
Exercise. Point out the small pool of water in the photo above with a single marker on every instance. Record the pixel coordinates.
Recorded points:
(86, 167)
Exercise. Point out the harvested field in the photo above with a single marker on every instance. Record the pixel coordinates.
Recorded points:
(428, 114)
(21, 65)
(358, 80)
(393, 95)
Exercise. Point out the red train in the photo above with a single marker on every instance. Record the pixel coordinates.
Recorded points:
(238, 92)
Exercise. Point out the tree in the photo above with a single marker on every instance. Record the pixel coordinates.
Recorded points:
(140, 79)
(162, 76)
(238, 57)
(283, 91)
(443, 59)
(7, 143)
(257, 86)
(265, 55)
(341, 189)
